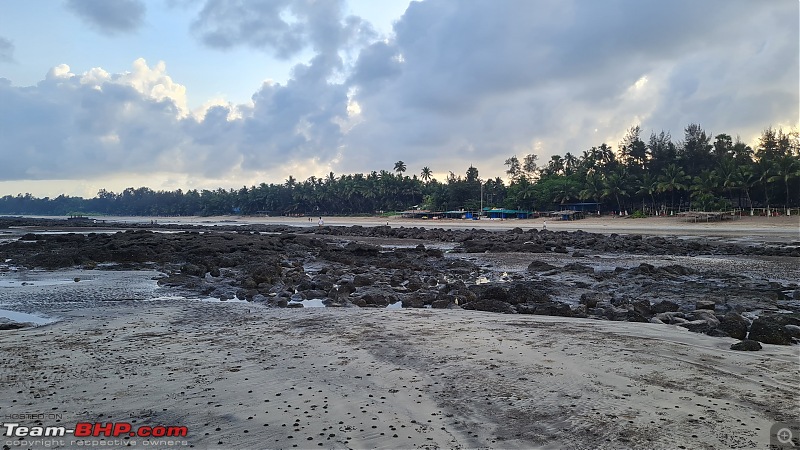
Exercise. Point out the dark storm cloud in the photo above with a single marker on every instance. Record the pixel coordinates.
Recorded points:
(296, 121)
(283, 27)
(110, 16)
(505, 75)
(6, 50)
(63, 129)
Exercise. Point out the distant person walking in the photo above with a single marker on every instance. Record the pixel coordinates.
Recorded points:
(544, 225)
(321, 222)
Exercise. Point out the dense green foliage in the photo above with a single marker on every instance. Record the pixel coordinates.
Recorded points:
(695, 173)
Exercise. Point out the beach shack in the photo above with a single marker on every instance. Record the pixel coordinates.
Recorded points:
(583, 207)
(460, 214)
(501, 213)
(567, 214)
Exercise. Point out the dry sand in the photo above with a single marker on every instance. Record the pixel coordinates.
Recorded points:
(777, 229)
(242, 376)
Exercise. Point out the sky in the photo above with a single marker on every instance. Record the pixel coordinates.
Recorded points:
(201, 94)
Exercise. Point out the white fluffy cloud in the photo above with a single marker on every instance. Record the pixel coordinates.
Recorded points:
(458, 84)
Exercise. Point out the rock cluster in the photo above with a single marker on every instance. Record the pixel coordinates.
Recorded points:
(283, 266)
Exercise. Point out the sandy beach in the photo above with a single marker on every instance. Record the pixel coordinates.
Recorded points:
(781, 228)
(244, 375)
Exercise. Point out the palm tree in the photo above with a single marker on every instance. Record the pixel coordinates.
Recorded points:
(672, 179)
(786, 168)
(762, 171)
(746, 181)
(616, 185)
(703, 188)
(593, 188)
(728, 175)
(400, 167)
(555, 166)
(648, 185)
(426, 174)
(567, 190)
(570, 163)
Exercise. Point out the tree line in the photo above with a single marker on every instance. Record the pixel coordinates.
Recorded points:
(698, 172)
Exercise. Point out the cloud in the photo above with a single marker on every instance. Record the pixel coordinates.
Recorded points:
(78, 126)
(6, 50)
(457, 84)
(482, 79)
(282, 27)
(109, 17)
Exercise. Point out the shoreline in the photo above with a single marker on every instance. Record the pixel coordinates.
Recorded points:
(774, 229)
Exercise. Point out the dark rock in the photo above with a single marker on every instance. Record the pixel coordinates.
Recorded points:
(443, 302)
(705, 304)
(664, 306)
(490, 305)
(362, 280)
(553, 309)
(527, 292)
(193, 269)
(708, 316)
(734, 325)
(793, 330)
(644, 269)
(769, 330)
(373, 297)
(676, 269)
(419, 299)
(635, 316)
(314, 294)
(577, 268)
(697, 326)
(531, 247)
(540, 266)
(362, 249)
(590, 299)
(13, 325)
(747, 345)
(342, 291)
(642, 307)
(461, 296)
(489, 291)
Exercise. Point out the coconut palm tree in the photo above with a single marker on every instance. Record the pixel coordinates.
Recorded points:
(647, 185)
(426, 174)
(592, 188)
(703, 187)
(672, 179)
(400, 167)
(615, 184)
(786, 167)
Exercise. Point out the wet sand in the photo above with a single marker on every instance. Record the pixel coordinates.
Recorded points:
(241, 376)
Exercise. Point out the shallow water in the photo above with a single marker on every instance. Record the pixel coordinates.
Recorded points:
(16, 316)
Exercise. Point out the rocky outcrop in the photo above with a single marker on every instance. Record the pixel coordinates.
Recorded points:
(734, 325)
(771, 330)
(747, 345)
